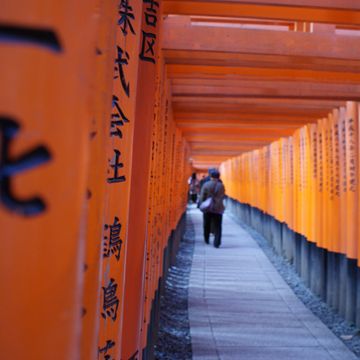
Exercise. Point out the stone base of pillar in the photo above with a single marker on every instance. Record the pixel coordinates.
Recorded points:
(331, 276)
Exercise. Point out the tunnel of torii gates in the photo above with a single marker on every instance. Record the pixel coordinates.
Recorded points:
(108, 106)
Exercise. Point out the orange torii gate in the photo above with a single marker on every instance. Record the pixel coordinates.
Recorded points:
(93, 177)
(313, 190)
(105, 108)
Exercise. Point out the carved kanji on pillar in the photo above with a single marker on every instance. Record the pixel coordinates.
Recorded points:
(9, 168)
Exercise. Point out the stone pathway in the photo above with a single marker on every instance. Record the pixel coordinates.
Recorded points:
(241, 308)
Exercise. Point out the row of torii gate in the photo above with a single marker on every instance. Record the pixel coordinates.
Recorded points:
(106, 108)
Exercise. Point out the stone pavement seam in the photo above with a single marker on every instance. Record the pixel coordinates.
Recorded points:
(286, 302)
(316, 325)
(240, 308)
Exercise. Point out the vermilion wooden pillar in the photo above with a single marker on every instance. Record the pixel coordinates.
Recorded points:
(320, 168)
(352, 177)
(46, 50)
(78, 209)
(102, 85)
(148, 53)
(343, 183)
(119, 145)
(336, 182)
(314, 213)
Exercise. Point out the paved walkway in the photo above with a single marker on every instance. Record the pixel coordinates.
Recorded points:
(241, 308)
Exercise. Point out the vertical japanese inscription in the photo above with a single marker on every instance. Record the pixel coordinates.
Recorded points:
(110, 301)
(314, 152)
(116, 165)
(103, 352)
(118, 118)
(121, 61)
(41, 37)
(9, 129)
(331, 174)
(352, 155)
(321, 164)
(126, 17)
(112, 241)
(326, 177)
(344, 154)
(337, 159)
(148, 36)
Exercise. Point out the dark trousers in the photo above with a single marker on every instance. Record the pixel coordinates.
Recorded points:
(212, 223)
(193, 198)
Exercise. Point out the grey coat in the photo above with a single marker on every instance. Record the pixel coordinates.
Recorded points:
(216, 189)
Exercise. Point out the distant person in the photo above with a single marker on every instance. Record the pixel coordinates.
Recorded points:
(207, 178)
(202, 181)
(194, 188)
(213, 216)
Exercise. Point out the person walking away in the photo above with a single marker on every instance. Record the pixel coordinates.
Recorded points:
(213, 217)
(204, 180)
(194, 188)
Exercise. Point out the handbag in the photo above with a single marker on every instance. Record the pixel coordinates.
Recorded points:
(206, 205)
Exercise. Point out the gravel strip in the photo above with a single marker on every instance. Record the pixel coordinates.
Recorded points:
(347, 333)
(174, 341)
